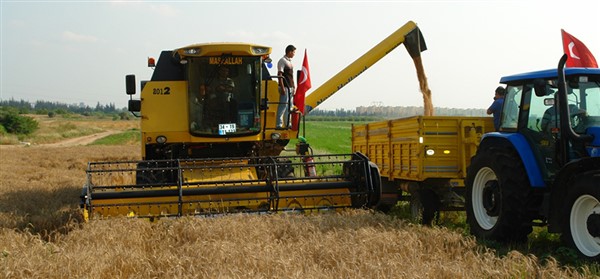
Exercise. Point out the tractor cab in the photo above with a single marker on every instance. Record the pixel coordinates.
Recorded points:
(532, 108)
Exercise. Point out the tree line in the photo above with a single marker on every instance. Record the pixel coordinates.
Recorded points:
(384, 112)
(44, 107)
(13, 119)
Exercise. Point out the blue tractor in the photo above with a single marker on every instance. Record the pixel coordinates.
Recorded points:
(542, 168)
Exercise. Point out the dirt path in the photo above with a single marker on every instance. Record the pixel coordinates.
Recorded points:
(80, 140)
(70, 142)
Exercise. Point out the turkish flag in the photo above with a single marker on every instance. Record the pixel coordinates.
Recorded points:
(301, 88)
(303, 84)
(579, 54)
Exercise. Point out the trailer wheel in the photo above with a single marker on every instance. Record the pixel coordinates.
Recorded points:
(424, 204)
(497, 194)
(581, 222)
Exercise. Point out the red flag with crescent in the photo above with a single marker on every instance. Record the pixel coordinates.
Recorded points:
(579, 54)
(303, 84)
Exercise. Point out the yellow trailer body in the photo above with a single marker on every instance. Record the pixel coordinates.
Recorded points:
(424, 156)
(421, 147)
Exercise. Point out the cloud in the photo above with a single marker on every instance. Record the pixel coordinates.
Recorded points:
(158, 9)
(123, 3)
(79, 38)
(164, 10)
(16, 23)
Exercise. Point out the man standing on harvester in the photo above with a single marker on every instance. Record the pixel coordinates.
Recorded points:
(286, 89)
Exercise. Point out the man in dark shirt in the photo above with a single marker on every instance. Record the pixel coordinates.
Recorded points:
(496, 107)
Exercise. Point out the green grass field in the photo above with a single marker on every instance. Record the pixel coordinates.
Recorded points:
(333, 137)
(131, 136)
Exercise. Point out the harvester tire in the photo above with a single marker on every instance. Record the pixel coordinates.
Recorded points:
(581, 220)
(497, 194)
(377, 187)
(389, 196)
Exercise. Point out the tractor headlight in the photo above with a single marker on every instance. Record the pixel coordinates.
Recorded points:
(275, 136)
(161, 139)
(430, 152)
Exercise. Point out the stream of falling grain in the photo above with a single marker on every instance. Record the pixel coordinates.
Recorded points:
(424, 87)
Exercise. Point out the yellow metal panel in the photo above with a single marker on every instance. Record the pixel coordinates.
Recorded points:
(378, 150)
(164, 107)
(441, 144)
(400, 146)
(359, 139)
(404, 138)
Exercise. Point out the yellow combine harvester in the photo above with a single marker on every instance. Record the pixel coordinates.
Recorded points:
(210, 145)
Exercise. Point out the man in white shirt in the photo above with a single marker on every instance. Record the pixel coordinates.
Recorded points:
(286, 89)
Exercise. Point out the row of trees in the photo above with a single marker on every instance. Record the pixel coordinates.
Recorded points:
(392, 112)
(45, 107)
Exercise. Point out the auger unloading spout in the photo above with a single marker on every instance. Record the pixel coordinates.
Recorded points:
(414, 42)
(409, 34)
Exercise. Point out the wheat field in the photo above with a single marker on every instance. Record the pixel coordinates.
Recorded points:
(43, 236)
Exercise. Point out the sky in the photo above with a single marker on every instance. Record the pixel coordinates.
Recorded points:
(80, 51)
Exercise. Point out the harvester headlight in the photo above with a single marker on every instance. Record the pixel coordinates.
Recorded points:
(260, 50)
(191, 51)
(161, 139)
(430, 152)
(275, 136)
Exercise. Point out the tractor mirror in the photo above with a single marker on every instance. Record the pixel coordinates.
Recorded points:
(135, 105)
(130, 84)
(541, 87)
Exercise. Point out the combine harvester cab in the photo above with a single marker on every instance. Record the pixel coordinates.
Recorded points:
(210, 144)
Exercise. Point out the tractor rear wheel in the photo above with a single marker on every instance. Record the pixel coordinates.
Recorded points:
(581, 222)
(497, 194)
